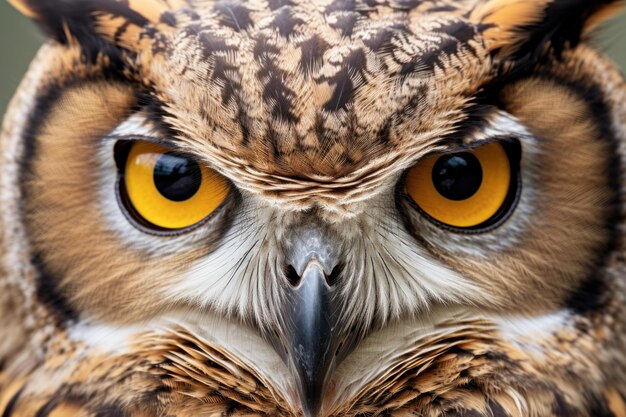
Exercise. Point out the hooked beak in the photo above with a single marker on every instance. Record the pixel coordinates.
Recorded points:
(312, 337)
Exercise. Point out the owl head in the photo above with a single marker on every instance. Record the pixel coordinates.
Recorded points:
(315, 170)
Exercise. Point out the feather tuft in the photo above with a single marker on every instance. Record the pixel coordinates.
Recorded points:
(518, 28)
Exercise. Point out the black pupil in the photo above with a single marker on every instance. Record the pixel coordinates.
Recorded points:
(177, 178)
(457, 177)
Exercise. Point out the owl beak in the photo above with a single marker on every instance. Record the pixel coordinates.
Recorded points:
(311, 337)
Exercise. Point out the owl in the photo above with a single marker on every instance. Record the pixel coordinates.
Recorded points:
(314, 208)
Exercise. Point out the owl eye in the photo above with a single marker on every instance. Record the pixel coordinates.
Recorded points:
(169, 190)
(473, 189)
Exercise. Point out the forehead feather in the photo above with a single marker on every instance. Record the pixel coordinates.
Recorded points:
(318, 88)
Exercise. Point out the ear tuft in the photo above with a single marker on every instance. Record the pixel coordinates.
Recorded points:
(517, 28)
(114, 21)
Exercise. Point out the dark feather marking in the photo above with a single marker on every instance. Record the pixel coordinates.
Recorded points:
(234, 15)
(273, 139)
(169, 19)
(313, 50)
(49, 293)
(440, 9)
(396, 5)
(341, 6)
(275, 93)
(412, 107)
(156, 113)
(459, 30)
(160, 44)
(448, 47)
(385, 132)
(561, 407)
(46, 291)
(497, 410)
(111, 410)
(476, 116)
(464, 413)
(224, 73)
(8, 411)
(380, 41)
(345, 22)
(277, 4)
(599, 408)
(120, 31)
(285, 22)
(459, 34)
(49, 407)
(59, 399)
(79, 16)
(561, 27)
(407, 5)
(344, 92)
(210, 42)
(591, 296)
(321, 133)
(191, 14)
(244, 121)
(153, 397)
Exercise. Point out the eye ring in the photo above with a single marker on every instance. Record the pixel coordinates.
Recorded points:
(511, 149)
(207, 203)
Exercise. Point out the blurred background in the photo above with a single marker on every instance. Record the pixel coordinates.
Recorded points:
(19, 40)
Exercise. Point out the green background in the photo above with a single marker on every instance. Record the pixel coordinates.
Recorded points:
(19, 40)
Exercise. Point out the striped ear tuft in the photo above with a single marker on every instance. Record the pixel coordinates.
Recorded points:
(518, 28)
(119, 22)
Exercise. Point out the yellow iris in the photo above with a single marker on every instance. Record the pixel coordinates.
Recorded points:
(462, 190)
(169, 190)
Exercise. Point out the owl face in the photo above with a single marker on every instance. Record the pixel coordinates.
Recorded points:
(318, 170)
